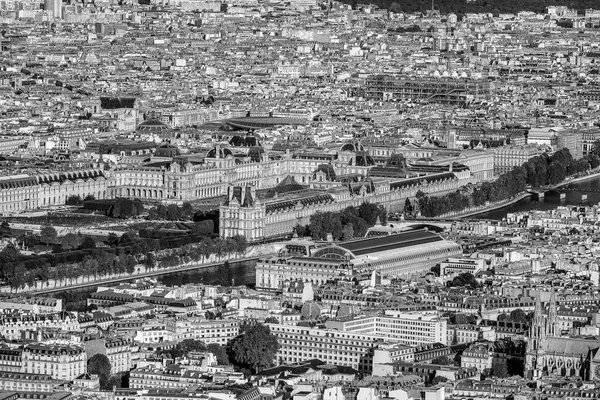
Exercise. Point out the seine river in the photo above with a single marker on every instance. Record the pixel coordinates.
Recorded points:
(551, 200)
(244, 273)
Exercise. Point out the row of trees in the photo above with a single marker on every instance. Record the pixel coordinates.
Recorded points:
(537, 172)
(351, 222)
(117, 208)
(172, 212)
(76, 200)
(18, 270)
(126, 208)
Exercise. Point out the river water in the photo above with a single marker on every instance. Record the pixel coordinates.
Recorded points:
(551, 200)
(244, 273)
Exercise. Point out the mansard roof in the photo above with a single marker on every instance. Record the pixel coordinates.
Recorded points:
(287, 204)
(60, 177)
(19, 182)
(422, 179)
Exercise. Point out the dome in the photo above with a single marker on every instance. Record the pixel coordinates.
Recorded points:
(353, 146)
(219, 152)
(152, 124)
(166, 150)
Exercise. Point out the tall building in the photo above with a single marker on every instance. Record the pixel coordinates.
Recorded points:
(55, 7)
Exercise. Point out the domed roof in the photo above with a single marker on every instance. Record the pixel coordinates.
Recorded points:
(219, 152)
(152, 124)
(354, 146)
(167, 150)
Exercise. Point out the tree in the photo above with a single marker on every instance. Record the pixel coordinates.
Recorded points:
(395, 8)
(187, 211)
(225, 274)
(161, 211)
(347, 232)
(518, 315)
(70, 241)
(205, 227)
(117, 381)
(8, 254)
(408, 208)
(74, 200)
(438, 379)
(271, 320)
(173, 212)
(5, 231)
(464, 279)
(125, 208)
(89, 197)
(112, 239)
(99, 365)
(255, 349)
(596, 148)
(499, 369)
(218, 351)
(442, 360)
(594, 161)
(150, 260)
(48, 234)
(371, 212)
(184, 347)
(88, 243)
(210, 315)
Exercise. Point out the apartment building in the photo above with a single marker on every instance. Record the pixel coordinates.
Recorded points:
(351, 349)
(217, 331)
(508, 157)
(23, 382)
(65, 362)
(407, 328)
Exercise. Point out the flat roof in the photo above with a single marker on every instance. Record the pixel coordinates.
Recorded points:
(390, 242)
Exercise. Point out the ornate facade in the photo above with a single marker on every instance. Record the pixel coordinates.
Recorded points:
(276, 215)
(406, 254)
(550, 354)
(24, 192)
(177, 179)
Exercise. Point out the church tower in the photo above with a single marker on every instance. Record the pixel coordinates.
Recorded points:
(552, 316)
(536, 342)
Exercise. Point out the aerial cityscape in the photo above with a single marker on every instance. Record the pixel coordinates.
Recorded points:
(299, 200)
